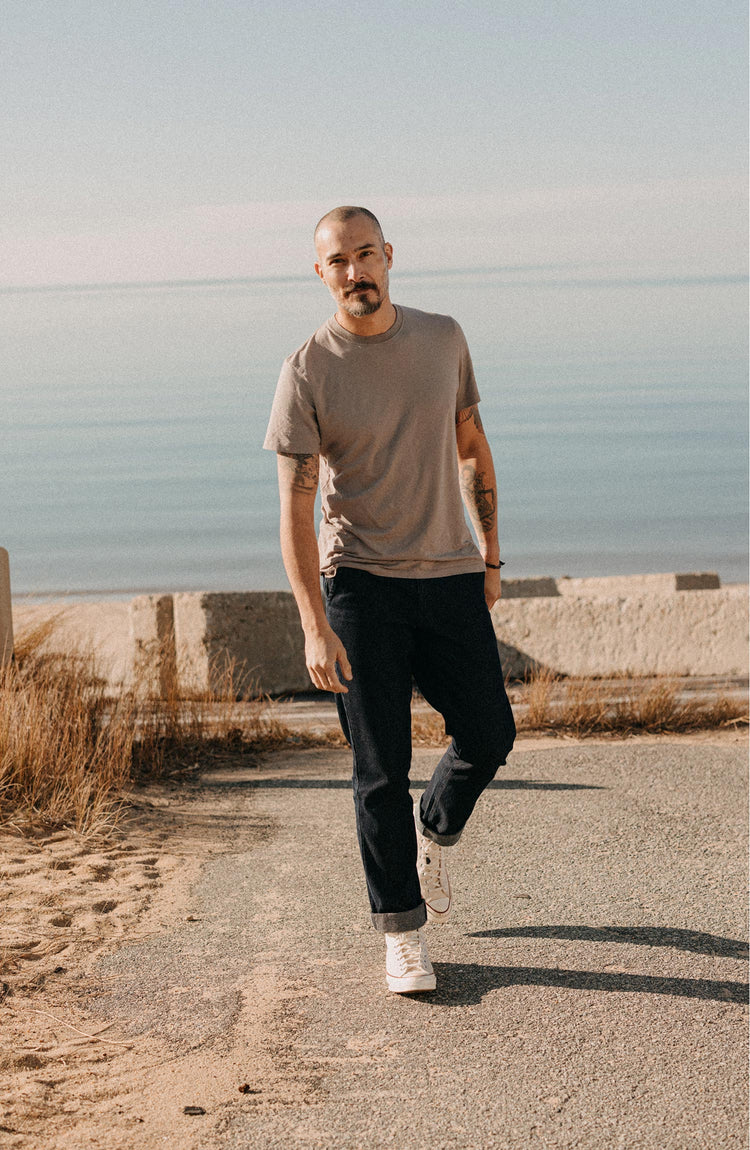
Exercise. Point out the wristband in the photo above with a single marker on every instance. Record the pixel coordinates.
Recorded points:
(495, 566)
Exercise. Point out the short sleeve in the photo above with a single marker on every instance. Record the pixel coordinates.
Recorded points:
(468, 392)
(293, 425)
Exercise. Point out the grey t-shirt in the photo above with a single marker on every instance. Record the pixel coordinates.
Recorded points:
(380, 411)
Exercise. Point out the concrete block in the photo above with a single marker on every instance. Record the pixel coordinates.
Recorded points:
(193, 643)
(540, 586)
(153, 639)
(101, 628)
(6, 613)
(697, 581)
(659, 584)
(255, 635)
(258, 637)
(700, 633)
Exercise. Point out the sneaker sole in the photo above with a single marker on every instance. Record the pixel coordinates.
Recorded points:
(433, 916)
(437, 915)
(411, 984)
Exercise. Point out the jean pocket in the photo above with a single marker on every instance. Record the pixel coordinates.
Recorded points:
(328, 585)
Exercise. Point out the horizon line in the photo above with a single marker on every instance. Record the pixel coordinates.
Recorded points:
(426, 273)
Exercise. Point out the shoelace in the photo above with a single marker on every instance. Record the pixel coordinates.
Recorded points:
(432, 868)
(407, 951)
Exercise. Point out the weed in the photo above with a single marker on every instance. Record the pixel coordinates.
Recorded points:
(587, 707)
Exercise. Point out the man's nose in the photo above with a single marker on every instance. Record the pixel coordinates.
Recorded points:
(353, 271)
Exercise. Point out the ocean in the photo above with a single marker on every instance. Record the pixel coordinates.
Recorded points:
(134, 417)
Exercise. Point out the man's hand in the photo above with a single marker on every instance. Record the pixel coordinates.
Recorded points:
(492, 588)
(323, 650)
(298, 483)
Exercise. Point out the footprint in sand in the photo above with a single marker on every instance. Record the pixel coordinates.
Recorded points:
(105, 906)
(149, 871)
(30, 1062)
(20, 870)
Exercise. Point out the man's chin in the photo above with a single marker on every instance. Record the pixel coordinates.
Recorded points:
(359, 308)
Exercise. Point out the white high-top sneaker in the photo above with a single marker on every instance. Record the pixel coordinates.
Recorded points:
(407, 963)
(433, 876)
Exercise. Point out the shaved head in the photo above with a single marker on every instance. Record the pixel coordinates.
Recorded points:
(341, 215)
(353, 262)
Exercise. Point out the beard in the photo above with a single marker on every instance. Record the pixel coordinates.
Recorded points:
(362, 306)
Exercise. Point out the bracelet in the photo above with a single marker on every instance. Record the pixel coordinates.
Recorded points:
(495, 566)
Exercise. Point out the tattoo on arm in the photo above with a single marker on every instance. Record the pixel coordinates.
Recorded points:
(303, 470)
(470, 413)
(480, 498)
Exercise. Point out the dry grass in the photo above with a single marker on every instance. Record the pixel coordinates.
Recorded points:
(64, 755)
(585, 707)
(176, 724)
(69, 750)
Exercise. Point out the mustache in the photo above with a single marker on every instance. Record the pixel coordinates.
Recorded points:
(363, 285)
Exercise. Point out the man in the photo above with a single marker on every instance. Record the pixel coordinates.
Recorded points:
(379, 406)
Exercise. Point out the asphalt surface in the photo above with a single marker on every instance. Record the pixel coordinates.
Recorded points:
(592, 986)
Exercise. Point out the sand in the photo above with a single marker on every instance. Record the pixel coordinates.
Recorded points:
(65, 902)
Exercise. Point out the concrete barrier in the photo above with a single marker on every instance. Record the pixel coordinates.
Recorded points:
(196, 638)
(255, 636)
(686, 633)
(541, 586)
(101, 628)
(6, 613)
(660, 584)
(152, 637)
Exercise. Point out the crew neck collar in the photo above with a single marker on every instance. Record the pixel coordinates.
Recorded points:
(382, 337)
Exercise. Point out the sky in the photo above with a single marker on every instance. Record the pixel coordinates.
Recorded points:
(146, 141)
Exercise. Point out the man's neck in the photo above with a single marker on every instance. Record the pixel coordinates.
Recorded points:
(377, 323)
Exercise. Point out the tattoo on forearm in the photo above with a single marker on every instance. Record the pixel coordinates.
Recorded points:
(470, 413)
(481, 498)
(303, 470)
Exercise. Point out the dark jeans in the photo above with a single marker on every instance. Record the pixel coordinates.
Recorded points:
(437, 632)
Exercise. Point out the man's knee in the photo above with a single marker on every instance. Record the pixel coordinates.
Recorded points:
(488, 750)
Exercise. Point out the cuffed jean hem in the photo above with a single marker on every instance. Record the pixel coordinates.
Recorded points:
(401, 920)
(441, 840)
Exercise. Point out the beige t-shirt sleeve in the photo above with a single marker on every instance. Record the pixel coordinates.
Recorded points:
(293, 426)
(468, 392)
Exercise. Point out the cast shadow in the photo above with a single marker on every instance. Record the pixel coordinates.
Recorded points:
(695, 941)
(466, 984)
(346, 784)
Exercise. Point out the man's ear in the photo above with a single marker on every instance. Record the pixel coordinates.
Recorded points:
(319, 270)
(388, 249)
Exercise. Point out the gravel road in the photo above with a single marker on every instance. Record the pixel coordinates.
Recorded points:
(591, 986)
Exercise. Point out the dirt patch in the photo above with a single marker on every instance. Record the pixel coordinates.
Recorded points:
(68, 1077)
